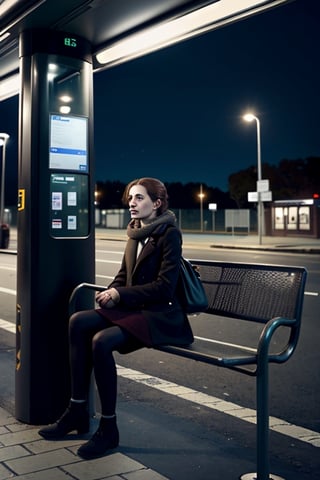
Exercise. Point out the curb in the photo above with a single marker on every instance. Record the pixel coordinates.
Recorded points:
(305, 250)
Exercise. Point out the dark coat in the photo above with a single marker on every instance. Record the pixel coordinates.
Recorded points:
(153, 287)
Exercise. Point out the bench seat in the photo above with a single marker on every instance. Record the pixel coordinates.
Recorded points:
(268, 296)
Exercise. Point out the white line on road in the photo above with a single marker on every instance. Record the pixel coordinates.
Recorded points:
(9, 291)
(214, 403)
(101, 260)
(112, 252)
(8, 326)
(226, 344)
(105, 276)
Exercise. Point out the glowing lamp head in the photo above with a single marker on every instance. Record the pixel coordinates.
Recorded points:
(249, 117)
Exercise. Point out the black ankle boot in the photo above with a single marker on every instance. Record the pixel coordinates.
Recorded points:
(105, 438)
(76, 417)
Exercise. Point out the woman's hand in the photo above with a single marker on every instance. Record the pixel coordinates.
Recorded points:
(108, 298)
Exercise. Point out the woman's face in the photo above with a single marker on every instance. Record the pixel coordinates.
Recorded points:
(140, 204)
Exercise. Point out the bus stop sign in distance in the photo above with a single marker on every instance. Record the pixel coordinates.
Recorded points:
(262, 186)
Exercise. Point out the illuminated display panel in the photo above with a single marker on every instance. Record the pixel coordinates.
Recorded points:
(68, 146)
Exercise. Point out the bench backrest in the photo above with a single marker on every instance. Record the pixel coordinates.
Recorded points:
(253, 292)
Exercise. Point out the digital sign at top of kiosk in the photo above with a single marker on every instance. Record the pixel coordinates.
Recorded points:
(68, 148)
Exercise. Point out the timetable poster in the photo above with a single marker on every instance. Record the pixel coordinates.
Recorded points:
(69, 199)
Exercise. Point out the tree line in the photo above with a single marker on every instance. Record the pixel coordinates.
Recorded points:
(290, 179)
(181, 196)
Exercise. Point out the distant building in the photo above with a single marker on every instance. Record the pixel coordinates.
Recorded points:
(295, 218)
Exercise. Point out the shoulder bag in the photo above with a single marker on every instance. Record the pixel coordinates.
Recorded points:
(191, 293)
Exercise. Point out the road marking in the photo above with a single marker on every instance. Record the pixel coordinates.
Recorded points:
(105, 276)
(112, 252)
(205, 400)
(8, 326)
(8, 290)
(226, 344)
(214, 403)
(101, 260)
(8, 267)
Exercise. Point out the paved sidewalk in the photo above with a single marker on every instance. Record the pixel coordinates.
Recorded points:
(24, 455)
(154, 445)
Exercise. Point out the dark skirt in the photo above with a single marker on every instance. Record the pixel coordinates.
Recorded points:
(133, 322)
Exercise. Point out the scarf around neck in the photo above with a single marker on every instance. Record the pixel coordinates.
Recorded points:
(138, 233)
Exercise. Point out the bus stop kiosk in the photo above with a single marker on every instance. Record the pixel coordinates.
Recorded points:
(56, 248)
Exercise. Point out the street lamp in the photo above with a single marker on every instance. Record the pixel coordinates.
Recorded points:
(3, 142)
(201, 196)
(249, 117)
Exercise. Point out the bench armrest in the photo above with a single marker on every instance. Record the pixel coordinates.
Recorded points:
(266, 336)
(75, 292)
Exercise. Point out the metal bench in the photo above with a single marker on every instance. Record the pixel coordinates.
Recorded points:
(269, 295)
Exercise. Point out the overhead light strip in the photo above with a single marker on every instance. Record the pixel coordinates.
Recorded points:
(4, 36)
(22, 16)
(7, 5)
(170, 32)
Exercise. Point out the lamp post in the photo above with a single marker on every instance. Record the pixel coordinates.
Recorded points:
(249, 117)
(3, 141)
(201, 196)
(3, 240)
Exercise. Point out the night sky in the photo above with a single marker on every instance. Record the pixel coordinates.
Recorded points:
(177, 114)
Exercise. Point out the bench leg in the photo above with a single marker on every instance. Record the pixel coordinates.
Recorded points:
(262, 393)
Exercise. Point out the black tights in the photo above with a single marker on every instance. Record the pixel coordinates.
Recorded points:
(93, 339)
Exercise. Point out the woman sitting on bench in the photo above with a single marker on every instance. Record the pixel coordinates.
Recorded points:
(138, 309)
